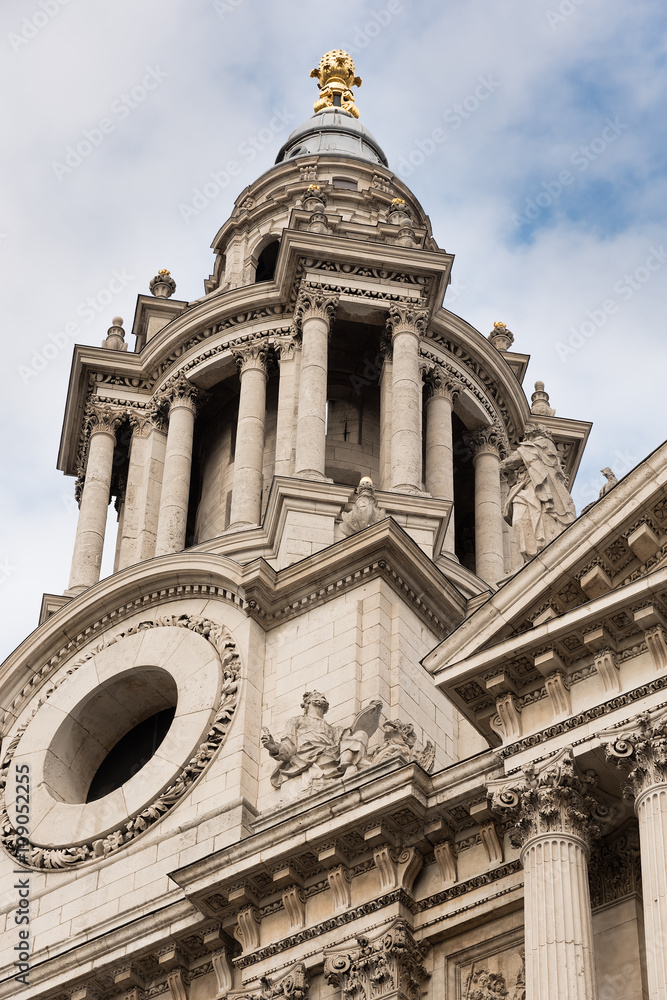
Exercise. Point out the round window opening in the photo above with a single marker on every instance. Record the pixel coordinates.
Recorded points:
(110, 735)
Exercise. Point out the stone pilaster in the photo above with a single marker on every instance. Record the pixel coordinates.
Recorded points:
(488, 448)
(133, 510)
(89, 541)
(249, 452)
(385, 413)
(642, 751)
(441, 394)
(182, 398)
(288, 350)
(313, 315)
(406, 323)
(556, 816)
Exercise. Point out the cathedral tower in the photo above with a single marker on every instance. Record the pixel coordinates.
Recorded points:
(256, 759)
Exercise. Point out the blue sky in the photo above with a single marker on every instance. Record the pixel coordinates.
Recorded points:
(481, 105)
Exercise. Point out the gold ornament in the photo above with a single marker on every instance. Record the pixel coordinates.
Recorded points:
(335, 76)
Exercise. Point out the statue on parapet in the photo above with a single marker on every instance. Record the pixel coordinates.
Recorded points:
(539, 505)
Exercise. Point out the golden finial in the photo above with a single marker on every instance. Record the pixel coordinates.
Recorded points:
(498, 323)
(398, 201)
(335, 76)
(164, 270)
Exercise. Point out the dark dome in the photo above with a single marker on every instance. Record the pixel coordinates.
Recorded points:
(332, 131)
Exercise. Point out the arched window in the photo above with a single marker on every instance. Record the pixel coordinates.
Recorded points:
(266, 262)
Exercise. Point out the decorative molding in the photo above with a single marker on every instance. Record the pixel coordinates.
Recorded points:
(445, 856)
(34, 856)
(246, 931)
(614, 869)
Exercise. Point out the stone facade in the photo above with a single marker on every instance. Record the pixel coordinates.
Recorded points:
(364, 710)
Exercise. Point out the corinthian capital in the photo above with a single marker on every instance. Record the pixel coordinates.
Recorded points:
(487, 441)
(179, 391)
(407, 317)
(440, 383)
(103, 417)
(253, 355)
(551, 798)
(640, 749)
(314, 300)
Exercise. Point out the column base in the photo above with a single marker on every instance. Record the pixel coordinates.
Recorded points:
(75, 591)
(313, 474)
(241, 526)
(413, 491)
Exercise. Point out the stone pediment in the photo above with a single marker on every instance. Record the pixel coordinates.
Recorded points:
(591, 601)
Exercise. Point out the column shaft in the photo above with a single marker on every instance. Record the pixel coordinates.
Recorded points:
(249, 451)
(558, 924)
(314, 313)
(287, 394)
(172, 519)
(406, 323)
(489, 561)
(89, 541)
(651, 809)
(133, 513)
(439, 471)
(385, 421)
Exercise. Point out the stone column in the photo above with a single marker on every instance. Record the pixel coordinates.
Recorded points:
(288, 350)
(488, 448)
(385, 414)
(406, 324)
(89, 540)
(642, 749)
(556, 817)
(249, 451)
(441, 394)
(313, 315)
(130, 526)
(182, 399)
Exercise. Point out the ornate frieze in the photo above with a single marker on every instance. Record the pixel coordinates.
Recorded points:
(389, 966)
(550, 798)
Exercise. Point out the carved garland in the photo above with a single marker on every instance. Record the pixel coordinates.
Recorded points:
(35, 856)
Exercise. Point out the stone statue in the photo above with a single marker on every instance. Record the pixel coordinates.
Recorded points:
(316, 751)
(539, 504)
(365, 510)
(399, 740)
(611, 481)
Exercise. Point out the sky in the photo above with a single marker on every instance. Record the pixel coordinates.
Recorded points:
(532, 132)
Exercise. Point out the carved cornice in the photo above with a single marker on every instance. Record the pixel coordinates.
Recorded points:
(641, 750)
(407, 317)
(36, 856)
(549, 799)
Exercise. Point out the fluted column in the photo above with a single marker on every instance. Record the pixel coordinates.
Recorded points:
(488, 449)
(289, 352)
(406, 324)
(313, 315)
(130, 527)
(385, 414)
(249, 451)
(643, 751)
(182, 399)
(441, 394)
(556, 817)
(91, 526)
